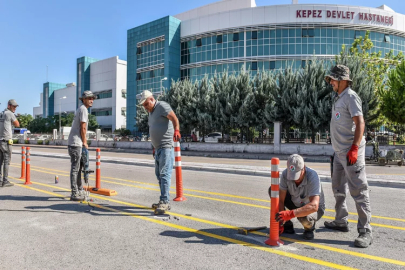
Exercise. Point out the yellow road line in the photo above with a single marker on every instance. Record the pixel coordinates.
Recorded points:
(240, 203)
(215, 236)
(302, 242)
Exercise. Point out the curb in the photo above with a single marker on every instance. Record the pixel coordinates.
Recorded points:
(324, 178)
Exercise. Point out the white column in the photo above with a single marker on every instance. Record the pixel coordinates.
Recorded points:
(277, 137)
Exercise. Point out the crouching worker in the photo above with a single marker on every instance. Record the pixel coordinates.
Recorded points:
(300, 192)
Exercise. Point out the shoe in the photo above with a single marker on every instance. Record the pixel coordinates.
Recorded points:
(7, 184)
(162, 208)
(336, 226)
(156, 205)
(308, 235)
(289, 227)
(77, 197)
(364, 239)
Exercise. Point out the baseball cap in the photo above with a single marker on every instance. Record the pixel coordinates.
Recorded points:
(144, 95)
(87, 94)
(12, 102)
(295, 164)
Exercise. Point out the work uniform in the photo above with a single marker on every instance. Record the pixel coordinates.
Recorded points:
(298, 196)
(353, 178)
(7, 117)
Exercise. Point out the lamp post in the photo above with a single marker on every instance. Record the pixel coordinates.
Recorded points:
(60, 115)
(164, 79)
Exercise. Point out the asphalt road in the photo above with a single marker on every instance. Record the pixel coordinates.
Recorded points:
(41, 229)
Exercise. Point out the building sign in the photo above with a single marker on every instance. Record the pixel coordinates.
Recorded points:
(349, 15)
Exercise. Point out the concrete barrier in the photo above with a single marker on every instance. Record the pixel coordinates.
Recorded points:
(285, 148)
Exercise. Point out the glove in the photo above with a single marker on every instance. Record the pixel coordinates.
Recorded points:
(280, 228)
(176, 136)
(352, 155)
(284, 216)
(153, 153)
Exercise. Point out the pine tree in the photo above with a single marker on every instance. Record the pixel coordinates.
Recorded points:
(393, 98)
(314, 110)
(285, 100)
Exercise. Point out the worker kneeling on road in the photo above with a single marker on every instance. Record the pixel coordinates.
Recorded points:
(301, 192)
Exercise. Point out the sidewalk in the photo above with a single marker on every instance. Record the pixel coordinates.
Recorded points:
(393, 180)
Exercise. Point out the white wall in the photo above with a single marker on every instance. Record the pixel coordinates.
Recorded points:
(38, 110)
(67, 104)
(109, 74)
(120, 101)
(197, 21)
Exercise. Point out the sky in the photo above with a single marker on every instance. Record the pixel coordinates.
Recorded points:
(35, 34)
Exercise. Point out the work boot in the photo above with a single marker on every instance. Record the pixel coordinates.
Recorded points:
(308, 235)
(162, 208)
(333, 225)
(156, 205)
(364, 239)
(7, 184)
(77, 197)
(289, 227)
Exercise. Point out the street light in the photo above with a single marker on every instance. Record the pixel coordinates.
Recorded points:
(164, 79)
(60, 115)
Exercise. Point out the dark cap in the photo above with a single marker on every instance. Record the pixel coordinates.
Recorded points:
(339, 73)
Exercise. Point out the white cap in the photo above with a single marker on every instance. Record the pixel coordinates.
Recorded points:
(295, 164)
(144, 95)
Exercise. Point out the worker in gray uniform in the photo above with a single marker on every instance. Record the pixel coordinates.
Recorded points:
(349, 171)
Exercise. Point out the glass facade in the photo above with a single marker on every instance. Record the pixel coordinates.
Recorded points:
(83, 76)
(102, 113)
(150, 54)
(271, 47)
(104, 95)
(48, 97)
(153, 54)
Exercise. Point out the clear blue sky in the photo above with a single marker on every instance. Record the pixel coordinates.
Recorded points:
(39, 33)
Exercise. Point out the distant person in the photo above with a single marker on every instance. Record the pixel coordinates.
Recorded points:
(369, 137)
(77, 143)
(164, 128)
(7, 119)
(349, 165)
(193, 137)
(301, 192)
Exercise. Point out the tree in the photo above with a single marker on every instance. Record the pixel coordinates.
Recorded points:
(393, 98)
(285, 102)
(24, 119)
(122, 131)
(93, 125)
(376, 67)
(142, 119)
(314, 110)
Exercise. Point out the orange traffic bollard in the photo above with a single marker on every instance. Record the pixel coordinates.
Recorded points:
(97, 189)
(28, 168)
(22, 162)
(179, 176)
(274, 239)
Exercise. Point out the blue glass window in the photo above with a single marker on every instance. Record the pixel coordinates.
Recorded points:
(254, 34)
(219, 39)
(235, 36)
(198, 42)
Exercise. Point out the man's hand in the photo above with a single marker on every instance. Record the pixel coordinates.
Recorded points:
(352, 155)
(153, 153)
(85, 145)
(284, 216)
(176, 136)
(280, 228)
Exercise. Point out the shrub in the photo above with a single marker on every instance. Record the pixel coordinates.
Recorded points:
(47, 142)
(40, 142)
(88, 142)
(401, 139)
(26, 141)
(15, 141)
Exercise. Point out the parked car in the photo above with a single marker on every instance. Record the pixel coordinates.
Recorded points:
(213, 137)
